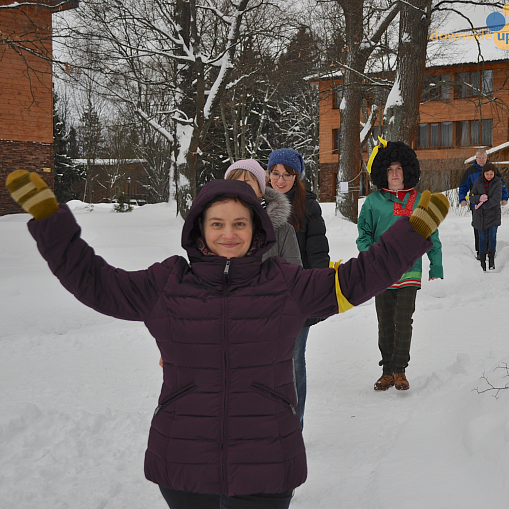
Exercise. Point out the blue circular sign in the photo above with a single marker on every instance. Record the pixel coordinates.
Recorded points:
(495, 21)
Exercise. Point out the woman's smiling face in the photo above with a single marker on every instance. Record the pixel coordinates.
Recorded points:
(228, 228)
(280, 179)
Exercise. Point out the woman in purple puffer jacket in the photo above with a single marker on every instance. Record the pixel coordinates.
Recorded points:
(225, 429)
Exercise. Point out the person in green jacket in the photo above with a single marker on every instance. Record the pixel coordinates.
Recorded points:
(394, 169)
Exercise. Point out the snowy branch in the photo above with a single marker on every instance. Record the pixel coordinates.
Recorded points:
(50, 7)
(367, 127)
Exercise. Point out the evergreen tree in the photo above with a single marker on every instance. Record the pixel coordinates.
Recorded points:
(66, 172)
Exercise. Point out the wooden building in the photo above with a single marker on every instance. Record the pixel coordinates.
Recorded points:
(110, 178)
(463, 107)
(26, 97)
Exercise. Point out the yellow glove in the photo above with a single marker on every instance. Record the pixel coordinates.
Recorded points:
(430, 212)
(32, 193)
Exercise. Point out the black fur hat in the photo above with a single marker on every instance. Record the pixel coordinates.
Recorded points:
(395, 151)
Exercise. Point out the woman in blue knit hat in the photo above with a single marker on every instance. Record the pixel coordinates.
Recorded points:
(286, 171)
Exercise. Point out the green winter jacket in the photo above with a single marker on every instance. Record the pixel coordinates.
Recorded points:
(381, 210)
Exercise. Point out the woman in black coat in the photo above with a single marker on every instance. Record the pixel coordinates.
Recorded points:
(486, 195)
(286, 170)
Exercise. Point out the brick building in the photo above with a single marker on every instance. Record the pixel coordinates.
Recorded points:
(455, 120)
(26, 98)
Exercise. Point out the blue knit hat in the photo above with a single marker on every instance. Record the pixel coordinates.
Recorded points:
(289, 157)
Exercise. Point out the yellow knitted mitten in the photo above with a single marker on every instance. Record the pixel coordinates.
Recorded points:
(430, 213)
(32, 193)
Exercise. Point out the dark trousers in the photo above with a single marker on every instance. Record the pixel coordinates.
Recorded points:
(394, 309)
(188, 500)
(476, 238)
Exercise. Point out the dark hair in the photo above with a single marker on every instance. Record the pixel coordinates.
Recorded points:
(298, 215)
(396, 151)
(197, 231)
(489, 167)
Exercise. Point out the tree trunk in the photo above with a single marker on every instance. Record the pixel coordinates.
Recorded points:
(402, 108)
(359, 48)
(349, 154)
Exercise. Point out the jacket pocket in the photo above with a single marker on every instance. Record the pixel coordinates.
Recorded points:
(176, 396)
(269, 393)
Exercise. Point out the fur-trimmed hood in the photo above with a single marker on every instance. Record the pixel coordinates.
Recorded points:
(278, 208)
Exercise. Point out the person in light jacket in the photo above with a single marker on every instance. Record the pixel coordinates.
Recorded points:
(225, 432)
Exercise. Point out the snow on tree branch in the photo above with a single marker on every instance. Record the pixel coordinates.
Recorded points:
(51, 7)
(367, 127)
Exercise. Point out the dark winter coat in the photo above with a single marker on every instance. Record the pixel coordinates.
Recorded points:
(489, 213)
(279, 210)
(226, 420)
(467, 182)
(313, 244)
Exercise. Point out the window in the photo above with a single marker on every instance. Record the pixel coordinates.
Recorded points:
(436, 87)
(433, 135)
(474, 132)
(434, 90)
(423, 135)
(463, 133)
(487, 131)
(445, 87)
(338, 96)
(336, 135)
(474, 83)
(446, 134)
(377, 95)
(475, 80)
(487, 81)
(463, 89)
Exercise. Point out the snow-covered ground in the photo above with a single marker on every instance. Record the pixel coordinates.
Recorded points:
(78, 389)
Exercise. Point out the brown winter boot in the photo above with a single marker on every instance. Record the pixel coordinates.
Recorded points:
(384, 382)
(483, 261)
(491, 259)
(400, 382)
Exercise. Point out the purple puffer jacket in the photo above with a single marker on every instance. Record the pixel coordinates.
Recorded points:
(226, 420)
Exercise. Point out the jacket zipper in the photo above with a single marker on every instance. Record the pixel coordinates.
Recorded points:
(224, 475)
(176, 395)
(274, 395)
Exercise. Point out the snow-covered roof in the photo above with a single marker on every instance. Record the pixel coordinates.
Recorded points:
(435, 63)
(492, 150)
(107, 162)
(453, 50)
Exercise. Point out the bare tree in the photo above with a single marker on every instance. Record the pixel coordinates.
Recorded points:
(182, 51)
(402, 106)
(361, 42)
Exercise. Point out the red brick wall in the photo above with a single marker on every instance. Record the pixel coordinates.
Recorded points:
(441, 167)
(26, 80)
(26, 98)
(15, 155)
